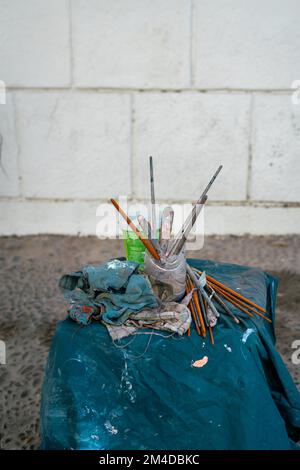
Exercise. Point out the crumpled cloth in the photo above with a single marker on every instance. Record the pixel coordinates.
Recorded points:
(137, 296)
(112, 275)
(82, 314)
(113, 285)
(83, 310)
(173, 317)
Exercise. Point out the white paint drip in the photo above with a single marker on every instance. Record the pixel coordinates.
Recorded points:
(247, 333)
(110, 428)
(126, 385)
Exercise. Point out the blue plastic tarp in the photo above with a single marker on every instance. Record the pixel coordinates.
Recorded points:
(144, 393)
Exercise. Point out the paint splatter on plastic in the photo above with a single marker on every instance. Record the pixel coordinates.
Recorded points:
(200, 362)
(246, 335)
(110, 428)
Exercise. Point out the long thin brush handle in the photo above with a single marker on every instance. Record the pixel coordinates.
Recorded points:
(179, 243)
(200, 200)
(146, 227)
(153, 210)
(201, 289)
(240, 302)
(181, 237)
(145, 242)
(198, 308)
(233, 292)
(203, 309)
(193, 308)
(211, 335)
(166, 227)
(193, 213)
(236, 304)
(223, 305)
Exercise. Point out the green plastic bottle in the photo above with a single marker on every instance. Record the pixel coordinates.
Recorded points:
(134, 248)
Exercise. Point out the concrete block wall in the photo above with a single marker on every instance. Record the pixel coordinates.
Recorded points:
(93, 87)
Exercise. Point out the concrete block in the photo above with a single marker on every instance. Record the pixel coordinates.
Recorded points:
(9, 174)
(253, 44)
(34, 43)
(32, 217)
(189, 135)
(131, 43)
(74, 145)
(276, 149)
(254, 220)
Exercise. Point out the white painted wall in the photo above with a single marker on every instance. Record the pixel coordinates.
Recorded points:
(95, 86)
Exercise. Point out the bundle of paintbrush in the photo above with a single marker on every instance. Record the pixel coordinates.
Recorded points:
(211, 297)
(164, 247)
(164, 259)
(165, 262)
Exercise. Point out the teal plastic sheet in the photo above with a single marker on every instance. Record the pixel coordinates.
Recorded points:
(144, 393)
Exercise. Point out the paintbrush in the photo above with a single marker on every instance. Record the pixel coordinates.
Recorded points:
(181, 237)
(166, 224)
(146, 227)
(233, 293)
(199, 284)
(215, 296)
(153, 209)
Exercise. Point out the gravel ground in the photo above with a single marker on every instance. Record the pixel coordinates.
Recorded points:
(31, 305)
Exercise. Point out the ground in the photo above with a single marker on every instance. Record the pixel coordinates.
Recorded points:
(31, 304)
